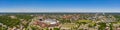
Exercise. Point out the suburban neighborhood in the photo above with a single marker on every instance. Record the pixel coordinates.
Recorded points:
(54, 21)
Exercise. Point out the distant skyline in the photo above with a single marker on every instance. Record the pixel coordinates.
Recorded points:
(59, 5)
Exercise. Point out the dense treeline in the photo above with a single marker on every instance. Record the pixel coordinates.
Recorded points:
(26, 17)
(117, 17)
(9, 21)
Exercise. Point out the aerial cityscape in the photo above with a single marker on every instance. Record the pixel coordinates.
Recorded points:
(59, 21)
(59, 14)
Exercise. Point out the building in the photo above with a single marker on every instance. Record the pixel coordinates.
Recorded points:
(47, 23)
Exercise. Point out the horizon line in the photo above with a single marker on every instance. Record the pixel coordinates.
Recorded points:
(59, 12)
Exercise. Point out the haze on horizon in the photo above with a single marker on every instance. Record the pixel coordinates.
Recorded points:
(59, 5)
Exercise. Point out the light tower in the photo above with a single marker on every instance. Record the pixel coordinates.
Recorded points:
(96, 15)
(103, 14)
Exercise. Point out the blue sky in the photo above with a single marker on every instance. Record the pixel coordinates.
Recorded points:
(59, 5)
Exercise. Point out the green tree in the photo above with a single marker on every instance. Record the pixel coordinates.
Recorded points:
(102, 26)
(9, 21)
(56, 29)
(111, 25)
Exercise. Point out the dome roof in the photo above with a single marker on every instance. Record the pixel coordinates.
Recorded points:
(51, 21)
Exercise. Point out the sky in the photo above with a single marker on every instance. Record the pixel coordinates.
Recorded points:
(59, 5)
